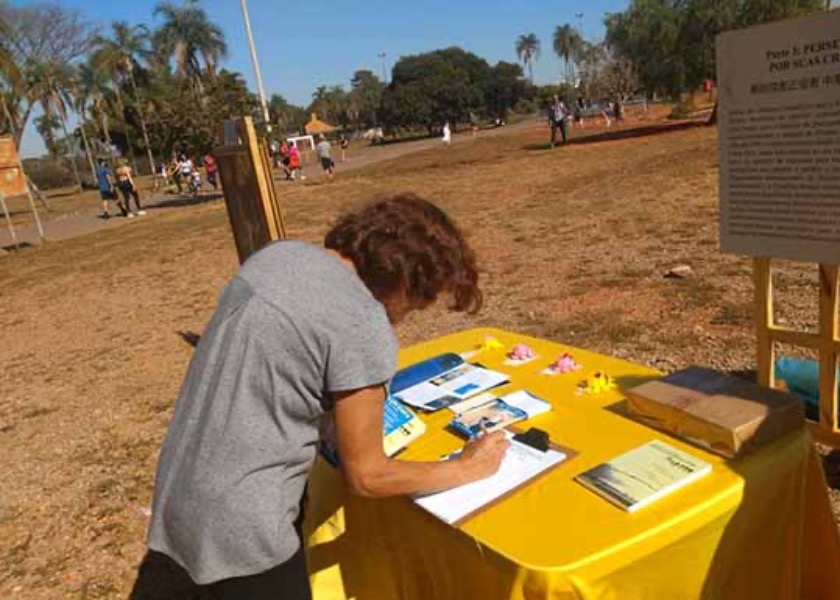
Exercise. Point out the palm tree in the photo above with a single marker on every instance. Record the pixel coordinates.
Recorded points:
(50, 84)
(337, 100)
(528, 50)
(188, 35)
(92, 87)
(46, 125)
(10, 78)
(121, 54)
(568, 45)
(83, 94)
(321, 101)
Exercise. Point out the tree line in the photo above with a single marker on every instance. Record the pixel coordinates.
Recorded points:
(135, 91)
(660, 48)
(149, 92)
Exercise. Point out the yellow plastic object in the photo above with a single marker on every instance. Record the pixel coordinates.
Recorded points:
(489, 342)
(597, 383)
(759, 528)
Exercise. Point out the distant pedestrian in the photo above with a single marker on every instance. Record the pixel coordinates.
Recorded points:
(211, 167)
(185, 169)
(283, 157)
(473, 124)
(558, 119)
(105, 177)
(578, 112)
(618, 111)
(323, 149)
(294, 163)
(607, 113)
(345, 144)
(161, 178)
(194, 183)
(125, 181)
(447, 134)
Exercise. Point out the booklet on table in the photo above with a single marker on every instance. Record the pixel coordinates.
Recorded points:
(445, 388)
(641, 476)
(498, 413)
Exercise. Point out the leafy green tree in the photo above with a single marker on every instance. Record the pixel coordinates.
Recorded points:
(10, 76)
(568, 45)
(46, 126)
(365, 98)
(179, 126)
(528, 51)
(50, 84)
(428, 90)
(35, 34)
(505, 88)
(671, 43)
(321, 103)
(189, 37)
(93, 94)
(288, 117)
(545, 95)
(121, 54)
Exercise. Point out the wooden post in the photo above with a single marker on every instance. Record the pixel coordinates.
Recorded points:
(828, 351)
(826, 343)
(35, 212)
(256, 217)
(765, 359)
(9, 220)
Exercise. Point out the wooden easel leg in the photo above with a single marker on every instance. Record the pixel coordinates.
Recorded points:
(828, 350)
(41, 198)
(764, 321)
(9, 221)
(35, 212)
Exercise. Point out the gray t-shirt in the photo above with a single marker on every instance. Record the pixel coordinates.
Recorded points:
(294, 325)
(323, 149)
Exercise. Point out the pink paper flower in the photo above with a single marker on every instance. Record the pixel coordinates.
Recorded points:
(565, 364)
(521, 352)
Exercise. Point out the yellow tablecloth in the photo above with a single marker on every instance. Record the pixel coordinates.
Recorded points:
(757, 529)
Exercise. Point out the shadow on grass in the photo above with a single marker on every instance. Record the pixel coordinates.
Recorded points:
(190, 337)
(622, 134)
(18, 246)
(185, 201)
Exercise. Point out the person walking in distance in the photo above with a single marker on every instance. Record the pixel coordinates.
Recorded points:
(106, 189)
(125, 181)
(211, 168)
(345, 144)
(323, 150)
(558, 119)
(294, 163)
(185, 169)
(284, 156)
(447, 134)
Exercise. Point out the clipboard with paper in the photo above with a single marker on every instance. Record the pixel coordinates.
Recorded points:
(522, 465)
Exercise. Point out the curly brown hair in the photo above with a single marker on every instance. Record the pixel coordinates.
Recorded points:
(406, 244)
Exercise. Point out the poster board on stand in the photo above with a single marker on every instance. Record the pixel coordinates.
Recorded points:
(779, 124)
(12, 177)
(256, 217)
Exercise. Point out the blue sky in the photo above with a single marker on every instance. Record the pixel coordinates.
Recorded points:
(305, 44)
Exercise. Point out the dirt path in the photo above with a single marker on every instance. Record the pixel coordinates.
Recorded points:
(85, 219)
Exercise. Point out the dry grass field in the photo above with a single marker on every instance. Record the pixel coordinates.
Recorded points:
(573, 245)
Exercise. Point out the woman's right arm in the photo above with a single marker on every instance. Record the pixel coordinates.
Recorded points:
(358, 418)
